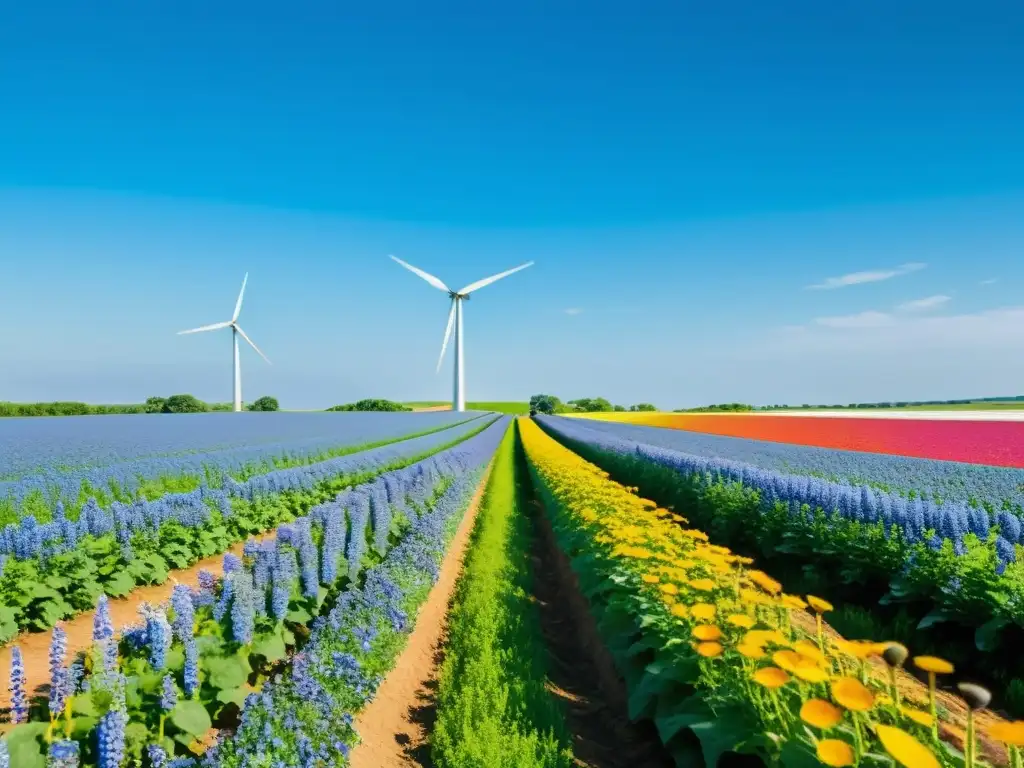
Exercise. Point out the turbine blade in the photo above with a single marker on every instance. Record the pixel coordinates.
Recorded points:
(447, 335)
(241, 293)
(493, 278)
(239, 329)
(425, 275)
(213, 327)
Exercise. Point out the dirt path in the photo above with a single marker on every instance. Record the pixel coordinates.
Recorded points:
(580, 669)
(395, 726)
(124, 612)
(426, 408)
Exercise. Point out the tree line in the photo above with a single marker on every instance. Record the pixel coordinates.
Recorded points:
(183, 403)
(550, 404)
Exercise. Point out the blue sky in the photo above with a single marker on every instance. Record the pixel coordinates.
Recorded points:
(682, 174)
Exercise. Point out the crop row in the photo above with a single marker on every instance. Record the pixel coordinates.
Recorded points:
(340, 584)
(994, 488)
(956, 572)
(723, 661)
(65, 491)
(31, 445)
(58, 569)
(997, 443)
(493, 704)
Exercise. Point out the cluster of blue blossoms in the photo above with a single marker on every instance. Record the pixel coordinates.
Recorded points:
(30, 538)
(262, 584)
(918, 520)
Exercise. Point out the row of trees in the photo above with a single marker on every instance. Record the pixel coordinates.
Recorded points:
(173, 404)
(550, 404)
(896, 403)
(371, 404)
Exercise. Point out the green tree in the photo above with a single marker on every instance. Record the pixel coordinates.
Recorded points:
(642, 407)
(371, 404)
(265, 403)
(155, 404)
(548, 404)
(184, 404)
(591, 404)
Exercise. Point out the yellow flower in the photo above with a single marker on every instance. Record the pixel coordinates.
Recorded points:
(907, 750)
(703, 585)
(788, 660)
(703, 611)
(669, 589)
(860, 649)
(793, 602)
(751, 651)
(765, 582)
(650, 578)
(771, 677)
(809, 672)
(707, 632)
(764, 636)
(851, 694)
(919, 717)
(819, 605)
(933, 664)
(835, 753)
(820, 713)
(679, 610)
(809, 650)
(740, 620)
(709, 650)
(1011, 733)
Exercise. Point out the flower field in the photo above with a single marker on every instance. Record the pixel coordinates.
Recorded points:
(996, 443)
(746, 603)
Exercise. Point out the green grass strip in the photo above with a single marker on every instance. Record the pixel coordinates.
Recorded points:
(493, 708)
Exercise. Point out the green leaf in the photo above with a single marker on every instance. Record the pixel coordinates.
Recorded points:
(119, 584)
(225, 672)
(299, 616)
(191, 717)
(25, 746)
(683, 715)
(136, 734)
(936, 616)
(986, 637)
(798, 754)
(82, 726)
(270, 646)
(720, 735)
(234, 696)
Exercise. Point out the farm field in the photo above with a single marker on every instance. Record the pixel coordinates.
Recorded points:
(980, 438)
(497, 406)
(553, 590)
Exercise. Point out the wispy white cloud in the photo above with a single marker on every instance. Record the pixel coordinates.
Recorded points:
(870, 276)
(990, 281)
(925, 304)
(869, 319)
(573, 311)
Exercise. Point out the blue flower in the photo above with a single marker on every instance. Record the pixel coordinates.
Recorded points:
(19, 701)
(168, 694)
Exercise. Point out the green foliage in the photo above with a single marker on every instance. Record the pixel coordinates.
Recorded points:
(184, 404)
(371, 405)
(642, 407)
(499, 407)
(265, 403)
(548, 404)
(155, 404)
(493, 707)
(590, 405)
(905, 587)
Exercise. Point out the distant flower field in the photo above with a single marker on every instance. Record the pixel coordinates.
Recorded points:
(996, 443)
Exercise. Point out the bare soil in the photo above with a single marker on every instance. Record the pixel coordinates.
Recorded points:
(394, 728)
(580, 669)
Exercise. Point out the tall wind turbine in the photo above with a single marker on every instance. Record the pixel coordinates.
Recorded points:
(455, 319)
(236, 331)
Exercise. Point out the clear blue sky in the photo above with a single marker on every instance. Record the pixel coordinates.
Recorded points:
(682, 173)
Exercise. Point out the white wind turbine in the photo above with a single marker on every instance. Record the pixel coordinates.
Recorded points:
(236, 331)
(455, 318)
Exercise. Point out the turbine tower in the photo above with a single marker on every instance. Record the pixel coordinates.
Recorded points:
(236, 331)
(455, 319)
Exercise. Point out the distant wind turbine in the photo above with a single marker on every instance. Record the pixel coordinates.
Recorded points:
(236, 331)
(455, 319)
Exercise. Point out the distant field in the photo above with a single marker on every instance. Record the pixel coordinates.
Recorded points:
(500, 407)
(1010, 405)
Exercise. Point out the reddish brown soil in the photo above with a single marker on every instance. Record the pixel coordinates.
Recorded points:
(35, 646)
(395, 726)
